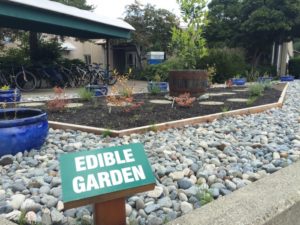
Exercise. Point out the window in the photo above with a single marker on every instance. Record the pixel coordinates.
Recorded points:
(87, 59)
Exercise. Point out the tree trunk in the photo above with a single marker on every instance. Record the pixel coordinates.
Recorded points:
(33, 46)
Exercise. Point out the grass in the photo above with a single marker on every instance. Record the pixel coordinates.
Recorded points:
(204, 196)
(107, 133)
(85, 94)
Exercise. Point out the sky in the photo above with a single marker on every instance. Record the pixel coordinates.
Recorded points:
(116, 8)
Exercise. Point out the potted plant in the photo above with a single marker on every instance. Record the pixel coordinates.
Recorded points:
(157, 86)
(265, 78)
(238, 80)
(8, 94)
(189, 46)
(287, 78)
(22, 129)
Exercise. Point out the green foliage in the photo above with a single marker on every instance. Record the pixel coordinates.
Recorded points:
(256, 89)
(85, 94)
(153, 128)
(189, 43)
(224, 108)
(161, 69)
(226, 61)
(204, 196)
(107, 133)
(252, 24)
(152, 26)
(22, 219)
(154, 90)
(48, 51)
(294, 67)
(251, 100)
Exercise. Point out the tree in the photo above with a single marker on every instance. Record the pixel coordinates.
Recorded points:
(253, 24)
(153, 27)
(189, 43)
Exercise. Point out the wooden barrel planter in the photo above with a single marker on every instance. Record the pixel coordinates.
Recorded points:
(194, 82)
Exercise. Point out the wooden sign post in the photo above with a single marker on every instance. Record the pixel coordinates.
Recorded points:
(105, 177)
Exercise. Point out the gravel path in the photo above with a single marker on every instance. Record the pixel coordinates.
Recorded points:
(191, 164)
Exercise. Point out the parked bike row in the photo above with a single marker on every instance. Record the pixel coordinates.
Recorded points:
(38, 76)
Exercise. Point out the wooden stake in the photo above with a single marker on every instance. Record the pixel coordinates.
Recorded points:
(110, 212)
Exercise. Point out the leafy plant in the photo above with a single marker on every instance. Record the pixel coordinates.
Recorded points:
(5, 88)
(211, 71)
(85, 94)
(22, 219)
(224, 108)
(153, 128)
(204, 196)
(251, 100)
(256, 89)
(107, 133)
(154, 90)
(189, 43)
(184, 100)
(59, 102)
(251, 75)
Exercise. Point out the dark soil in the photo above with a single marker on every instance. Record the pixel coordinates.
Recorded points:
(96, 113)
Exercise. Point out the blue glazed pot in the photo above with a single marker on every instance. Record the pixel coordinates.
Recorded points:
(22, 129)
(163, 86)
(98, 90)
(239, 81)
(11, 95)
(287, 78)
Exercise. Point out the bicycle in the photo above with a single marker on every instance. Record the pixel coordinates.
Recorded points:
(102, 76)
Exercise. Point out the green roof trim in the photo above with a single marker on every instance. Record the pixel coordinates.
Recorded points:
(25, 17)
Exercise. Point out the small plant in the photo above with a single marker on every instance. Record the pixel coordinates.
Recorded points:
(251, 75)
(153, 128)
(204, 196)
(59, 102)
(251, 100)
(154, 90)
(256, 89)
(228, 83)
(107, 133)
(133, 106)
(156, 78)
(211, 71)
(184, 100)
(22, 219)
(225, 108)
(5, 88)
(85, 94)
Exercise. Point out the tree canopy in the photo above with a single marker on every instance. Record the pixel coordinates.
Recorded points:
(153, 27)
(252, 24)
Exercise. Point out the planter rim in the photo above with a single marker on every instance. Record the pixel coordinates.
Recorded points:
(39, 115)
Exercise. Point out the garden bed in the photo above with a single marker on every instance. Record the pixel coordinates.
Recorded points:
(95, 113)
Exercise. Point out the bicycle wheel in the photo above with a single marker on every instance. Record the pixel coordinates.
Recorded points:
(25, 81)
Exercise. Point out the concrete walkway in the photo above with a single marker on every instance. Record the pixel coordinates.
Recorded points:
(43, 94)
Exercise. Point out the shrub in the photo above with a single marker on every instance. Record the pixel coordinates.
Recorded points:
(85, 94)
(227, 62)
(294, 67)
(162, 69)
(256, 89)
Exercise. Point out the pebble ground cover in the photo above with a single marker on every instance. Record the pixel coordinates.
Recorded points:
(191, 165)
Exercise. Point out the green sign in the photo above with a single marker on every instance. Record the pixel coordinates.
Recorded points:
(98, 172)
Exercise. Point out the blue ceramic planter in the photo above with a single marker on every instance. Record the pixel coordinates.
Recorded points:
(239, 81)
(264, 79)
(287, 78)
(11, 95)
(163, 86)
(22, 129)
(98, 90)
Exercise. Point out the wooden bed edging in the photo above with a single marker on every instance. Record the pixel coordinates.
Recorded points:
(175, 123)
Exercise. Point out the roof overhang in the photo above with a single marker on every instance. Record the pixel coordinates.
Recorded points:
(52, 17)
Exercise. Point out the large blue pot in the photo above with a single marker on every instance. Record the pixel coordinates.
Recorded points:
(22, 129)
(162, 86)
(287, 78)
(239, 81)
(11, 95)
